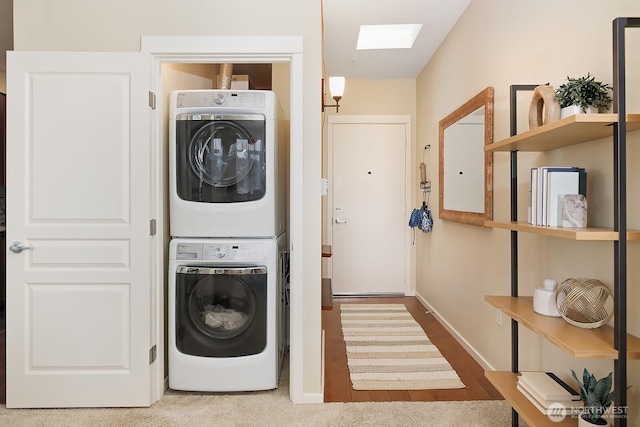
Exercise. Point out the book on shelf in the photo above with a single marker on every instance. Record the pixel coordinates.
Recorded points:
(537, 183)
(546, 386)
(533, 197)
(568, 181)
(550, 407)
(547, 183)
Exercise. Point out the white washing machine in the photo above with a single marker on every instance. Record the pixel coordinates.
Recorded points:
(227, 164)
(226, 313)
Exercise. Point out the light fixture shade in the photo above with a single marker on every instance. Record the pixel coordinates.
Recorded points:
(336, 86)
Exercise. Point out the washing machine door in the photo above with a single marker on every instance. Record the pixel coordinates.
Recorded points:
(220, 158)
(221, 311)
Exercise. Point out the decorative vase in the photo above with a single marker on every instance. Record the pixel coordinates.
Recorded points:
(544, 299)
(583, 422)
(576, 109)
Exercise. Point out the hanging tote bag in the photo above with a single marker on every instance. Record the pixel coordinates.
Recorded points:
(426, 220)
(415, 220)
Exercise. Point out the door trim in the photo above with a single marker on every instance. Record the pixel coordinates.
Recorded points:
(241, 49)
(409, 250)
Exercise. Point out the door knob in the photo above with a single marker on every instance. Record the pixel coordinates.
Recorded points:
(17, 247)
(341, 221)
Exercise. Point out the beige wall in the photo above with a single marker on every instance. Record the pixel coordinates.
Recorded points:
(6, 39)
(376, 97)
(118, 25)
(500, 43)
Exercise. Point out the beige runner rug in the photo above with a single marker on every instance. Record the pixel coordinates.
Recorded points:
(388, 350)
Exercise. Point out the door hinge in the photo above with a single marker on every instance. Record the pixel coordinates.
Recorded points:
(152, 354)
(152, 100)
(152, 227)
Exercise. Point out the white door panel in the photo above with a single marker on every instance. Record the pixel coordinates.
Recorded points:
(369, 208)
(78, 185)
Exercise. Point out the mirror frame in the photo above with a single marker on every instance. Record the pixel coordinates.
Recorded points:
(482, 99)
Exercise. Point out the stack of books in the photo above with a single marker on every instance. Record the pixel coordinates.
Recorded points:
(548, 393)
(549, 182)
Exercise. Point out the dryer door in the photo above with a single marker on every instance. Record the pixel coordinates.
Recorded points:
(221, 311)
(220, 158)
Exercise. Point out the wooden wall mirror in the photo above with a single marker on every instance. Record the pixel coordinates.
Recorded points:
(466, 171)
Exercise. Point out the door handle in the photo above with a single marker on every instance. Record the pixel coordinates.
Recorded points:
(17, 247)
(341, 221)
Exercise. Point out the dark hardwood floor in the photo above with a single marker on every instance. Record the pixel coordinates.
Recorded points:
(337, 382)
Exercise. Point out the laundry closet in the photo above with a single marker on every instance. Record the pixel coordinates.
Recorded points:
(228, 257)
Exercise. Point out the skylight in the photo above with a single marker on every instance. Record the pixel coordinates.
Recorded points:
(387, 36)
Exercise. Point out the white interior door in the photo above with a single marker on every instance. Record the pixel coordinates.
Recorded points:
(78, 191)
(369, 206)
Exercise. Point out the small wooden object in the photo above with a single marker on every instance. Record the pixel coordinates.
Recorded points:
(543, 100)
(327, 291)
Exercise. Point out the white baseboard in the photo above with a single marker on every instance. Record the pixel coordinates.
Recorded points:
(464, 343)
(307, 398)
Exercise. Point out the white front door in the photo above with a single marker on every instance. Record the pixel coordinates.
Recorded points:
(78, 197)
(369, 206)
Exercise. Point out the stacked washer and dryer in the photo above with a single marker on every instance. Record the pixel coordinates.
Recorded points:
(227, 256)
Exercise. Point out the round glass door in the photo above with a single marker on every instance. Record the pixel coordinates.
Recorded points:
(219, 153)
(222, 306)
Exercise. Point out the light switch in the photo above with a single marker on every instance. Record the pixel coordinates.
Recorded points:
(324, 189)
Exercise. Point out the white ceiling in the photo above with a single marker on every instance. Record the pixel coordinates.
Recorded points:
(342, 20)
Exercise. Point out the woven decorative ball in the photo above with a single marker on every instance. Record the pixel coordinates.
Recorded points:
(585, 303)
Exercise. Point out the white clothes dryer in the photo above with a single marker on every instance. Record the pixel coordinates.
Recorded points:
(227, 164)
(226, 314)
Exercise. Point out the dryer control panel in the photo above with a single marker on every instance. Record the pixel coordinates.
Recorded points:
(221, 251)
(220, 98)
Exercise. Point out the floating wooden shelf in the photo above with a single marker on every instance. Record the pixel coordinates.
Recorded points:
(588, 233)
(505, 383)
(564, 132)
(327, 294)
(326, 251)
(578, 342)
(327, 291)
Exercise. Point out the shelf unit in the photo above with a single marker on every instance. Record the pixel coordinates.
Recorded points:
(577, 342)
(565, 132)
(605, 342)
(588, 233)
(505, 383)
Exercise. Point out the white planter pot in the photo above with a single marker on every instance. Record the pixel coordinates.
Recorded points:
(575, 109)
(584, 423)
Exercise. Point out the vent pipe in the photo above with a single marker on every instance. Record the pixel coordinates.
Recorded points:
(226, 72)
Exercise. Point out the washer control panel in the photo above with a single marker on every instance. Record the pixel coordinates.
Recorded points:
(221, 251)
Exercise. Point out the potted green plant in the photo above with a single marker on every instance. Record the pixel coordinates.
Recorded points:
(596, 396)
(583, 94)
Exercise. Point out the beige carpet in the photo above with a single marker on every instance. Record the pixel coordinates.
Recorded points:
(266, 409)
(388, 350)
